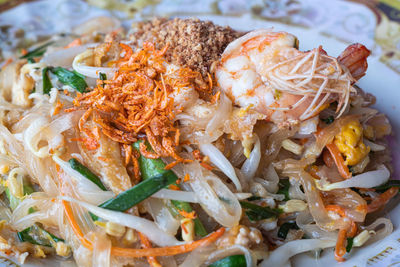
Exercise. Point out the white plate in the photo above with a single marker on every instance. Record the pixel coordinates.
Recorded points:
(381, 81)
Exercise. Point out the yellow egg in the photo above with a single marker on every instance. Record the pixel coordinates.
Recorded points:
(349, 143)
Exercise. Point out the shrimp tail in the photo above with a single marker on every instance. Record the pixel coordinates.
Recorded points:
(354, 58)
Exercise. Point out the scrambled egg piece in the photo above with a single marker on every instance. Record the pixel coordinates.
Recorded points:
(247, 144)
(349, 143)
(244, 111)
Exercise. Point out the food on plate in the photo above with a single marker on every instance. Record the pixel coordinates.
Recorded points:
(187, 143)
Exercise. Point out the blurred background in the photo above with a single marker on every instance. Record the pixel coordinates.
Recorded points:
(376, 23)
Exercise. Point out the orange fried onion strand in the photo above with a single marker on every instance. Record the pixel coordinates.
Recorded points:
(138, 100)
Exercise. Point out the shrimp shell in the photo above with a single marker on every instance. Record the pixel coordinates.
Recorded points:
(265, 70)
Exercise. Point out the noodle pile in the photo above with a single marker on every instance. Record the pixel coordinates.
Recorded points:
(115, 156)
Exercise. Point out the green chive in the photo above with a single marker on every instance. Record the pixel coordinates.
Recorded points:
(328, 120)
(139, 192)
(198, 226)
(351, 169)
(136, 194)
(31, 210)
(153, 167)
(387, 185)
(38, 236)
(257, 213)
(33, 234)
(349, 244)
(285, 227)
(230, 261)
(102, 76)
(76, 81)
(79, 74)
(253, 198)
(37, 52)
(284, 185)
(77, 166)
(14, 201)
(46, 81)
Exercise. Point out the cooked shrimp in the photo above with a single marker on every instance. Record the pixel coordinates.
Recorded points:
(265, 69)
(354, 57)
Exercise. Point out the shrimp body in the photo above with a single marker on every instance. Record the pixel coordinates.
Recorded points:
(266, 71)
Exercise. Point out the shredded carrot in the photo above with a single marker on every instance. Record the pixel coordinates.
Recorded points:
(8, 62)
(184, 228)
(189, 215)
(58, 107)
(138, 253)
(174, 187)
(353, 229)
(382, 199)
(328, 160)
(172, 164)
(75, 226)
(340, 248)
(207, 166)
(350, 231)
(168, 251)
(24, 51)
(339, 161)
(146, 244)
(336, 208)
(76, 42)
